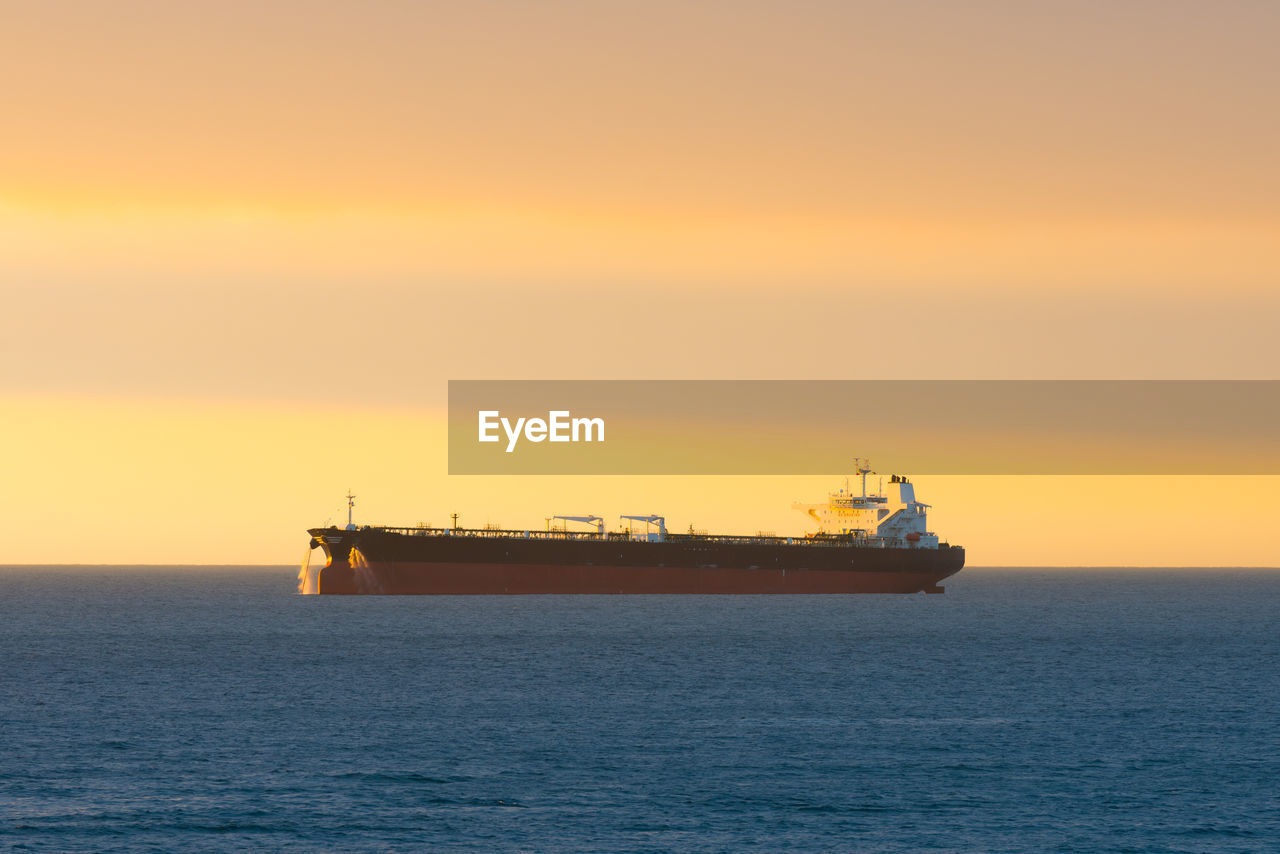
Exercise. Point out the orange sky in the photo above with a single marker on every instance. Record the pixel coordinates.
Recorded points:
(281, 229)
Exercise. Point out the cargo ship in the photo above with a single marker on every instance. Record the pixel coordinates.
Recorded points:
(864, 543)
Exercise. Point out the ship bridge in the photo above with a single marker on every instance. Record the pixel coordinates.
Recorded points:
(891, 515)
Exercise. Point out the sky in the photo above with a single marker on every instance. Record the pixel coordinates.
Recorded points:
(243, 248)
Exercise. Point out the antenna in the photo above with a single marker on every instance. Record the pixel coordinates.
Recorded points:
(351, 503)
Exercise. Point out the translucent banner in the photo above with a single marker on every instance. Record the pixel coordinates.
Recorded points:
(718, 427)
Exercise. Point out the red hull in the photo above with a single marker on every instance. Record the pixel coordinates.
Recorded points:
(490, 578)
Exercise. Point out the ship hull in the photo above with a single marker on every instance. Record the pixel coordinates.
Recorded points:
(489, 578)
(374, 562)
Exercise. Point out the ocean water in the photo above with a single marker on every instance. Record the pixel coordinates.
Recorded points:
(194, 709)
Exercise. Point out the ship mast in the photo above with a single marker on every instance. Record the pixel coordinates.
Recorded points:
(351, 503)
(863, 468)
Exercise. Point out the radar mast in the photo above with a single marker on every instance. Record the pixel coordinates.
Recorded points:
(863, 467)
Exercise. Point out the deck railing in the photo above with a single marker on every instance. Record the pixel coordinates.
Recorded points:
(834, 541)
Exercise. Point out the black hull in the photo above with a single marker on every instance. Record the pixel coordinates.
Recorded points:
(373, 560)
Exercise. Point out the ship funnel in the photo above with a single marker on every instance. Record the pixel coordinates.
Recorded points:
(901, 491)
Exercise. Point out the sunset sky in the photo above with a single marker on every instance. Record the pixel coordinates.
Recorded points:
(244, 246)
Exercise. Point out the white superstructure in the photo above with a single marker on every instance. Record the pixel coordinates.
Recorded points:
(892, 518)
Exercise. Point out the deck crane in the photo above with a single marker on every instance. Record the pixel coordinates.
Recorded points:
(660, 521)
(598, 521)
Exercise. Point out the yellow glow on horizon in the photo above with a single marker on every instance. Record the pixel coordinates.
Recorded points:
(147, 481)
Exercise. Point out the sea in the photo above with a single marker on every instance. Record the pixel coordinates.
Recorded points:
(1060, 710)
